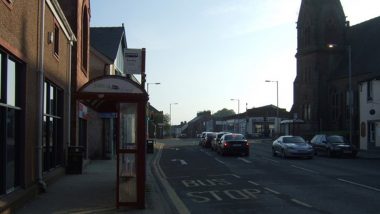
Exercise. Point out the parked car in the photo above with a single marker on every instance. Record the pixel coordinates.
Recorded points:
(333, 145)
(209, 136)
(292, 146)
(216, 140)
(233, 144)
(201, 139)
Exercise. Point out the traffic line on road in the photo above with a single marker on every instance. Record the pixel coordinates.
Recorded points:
(236, 176)
(307, 170)
(361, 185)
(183, 162)
(254, 183)
(301, 203)
(244, 160)
(272, 191)
(274, 161)
(219, 161)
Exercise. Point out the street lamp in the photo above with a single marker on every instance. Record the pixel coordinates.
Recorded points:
(152, 83)
(147, 117)
(170, 115)
(350, 100)
(277, 115)
(238, 104)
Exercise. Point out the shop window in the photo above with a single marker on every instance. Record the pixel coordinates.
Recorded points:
(52, 144)
(10, 123)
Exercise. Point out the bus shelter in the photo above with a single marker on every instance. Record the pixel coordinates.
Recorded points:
(127, 100)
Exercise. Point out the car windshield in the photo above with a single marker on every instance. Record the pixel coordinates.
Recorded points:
(210, 134)
(293, 140)
(336, 139)
(234, 137)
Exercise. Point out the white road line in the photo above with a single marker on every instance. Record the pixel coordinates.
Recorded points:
(307, 170)
(219, 161)
(183, 162)
(301, 203)
(236, 176)
(361, 185)
(244, 160)
(254, 183)
(271, 160)
(272, 191)
(178, 203)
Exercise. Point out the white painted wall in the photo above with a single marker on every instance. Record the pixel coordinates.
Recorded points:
(364, 107)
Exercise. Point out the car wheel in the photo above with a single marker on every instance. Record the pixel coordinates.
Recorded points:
(274, 152)
(329, 153)
(283, 155)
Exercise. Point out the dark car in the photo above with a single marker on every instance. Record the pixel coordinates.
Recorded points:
(233, 144)
(333, 145)
(216, 140)
(209, 136)
(201, 138)
(292, 146)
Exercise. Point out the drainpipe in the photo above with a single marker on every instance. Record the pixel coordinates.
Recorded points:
(40, 79)
(71, 43)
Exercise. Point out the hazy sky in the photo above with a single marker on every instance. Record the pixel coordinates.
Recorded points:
(205, 52)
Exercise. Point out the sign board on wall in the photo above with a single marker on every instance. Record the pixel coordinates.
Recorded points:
(133, 60)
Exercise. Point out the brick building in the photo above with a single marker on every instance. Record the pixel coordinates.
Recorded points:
(321, 87)
(35, 47)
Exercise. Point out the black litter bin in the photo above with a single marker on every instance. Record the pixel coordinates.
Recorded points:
(74, 160)
(149, 146)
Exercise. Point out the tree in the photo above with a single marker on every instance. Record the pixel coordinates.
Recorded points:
(224, 112)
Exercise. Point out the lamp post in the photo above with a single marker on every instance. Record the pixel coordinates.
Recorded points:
(350, 94)
(238, 104)
(277, 114)
(151, 83)
(170, 115)
(238, 111)
(147, 117)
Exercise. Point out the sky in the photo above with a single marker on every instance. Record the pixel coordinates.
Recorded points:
(206, 52)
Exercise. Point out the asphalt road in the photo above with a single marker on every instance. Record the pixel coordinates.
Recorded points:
(201, 181)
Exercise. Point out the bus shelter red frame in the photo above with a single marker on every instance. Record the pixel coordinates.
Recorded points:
(105, 94)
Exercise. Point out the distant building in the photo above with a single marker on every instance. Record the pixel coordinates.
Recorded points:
(369, 102)
(321, 87)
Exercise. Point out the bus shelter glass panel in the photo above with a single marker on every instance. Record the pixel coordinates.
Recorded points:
(127, 178)
(127, 187)
(128, 126)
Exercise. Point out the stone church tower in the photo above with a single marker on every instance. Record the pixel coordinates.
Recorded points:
(320, 23)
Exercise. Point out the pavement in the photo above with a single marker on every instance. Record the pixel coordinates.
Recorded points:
(93, 191)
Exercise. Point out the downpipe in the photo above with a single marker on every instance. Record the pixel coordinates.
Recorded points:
(41, 183)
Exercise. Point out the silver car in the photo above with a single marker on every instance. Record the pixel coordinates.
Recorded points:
(292, 146)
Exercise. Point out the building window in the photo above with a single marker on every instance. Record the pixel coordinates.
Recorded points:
(369, 91)
(85, 39)
(56, 39)
(52, 144)
(10, 123)
(371, 131)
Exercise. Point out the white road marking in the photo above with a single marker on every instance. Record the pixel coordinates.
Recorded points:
(301, 203)
(183, 162)
(244, 160)
(272, 191)
(236, 176)
(219, 161)
(361, 185)
(307, 170)
(271, 160)
(254, 183)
